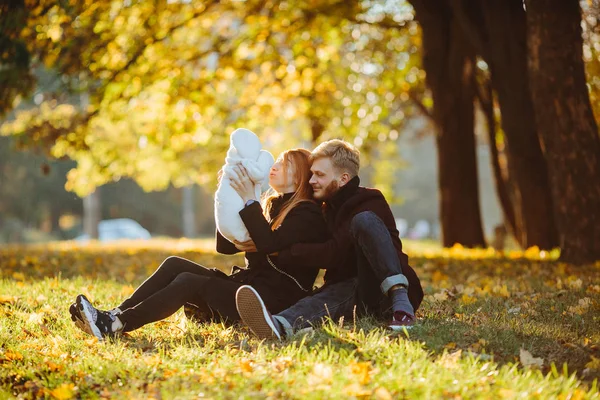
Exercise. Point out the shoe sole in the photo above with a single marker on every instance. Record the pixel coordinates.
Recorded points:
(78, 320)
(85, 308)
(254, 313)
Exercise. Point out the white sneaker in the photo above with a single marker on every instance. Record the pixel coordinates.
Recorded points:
(254, 313)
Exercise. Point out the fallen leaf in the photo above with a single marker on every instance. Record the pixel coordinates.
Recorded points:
(361, 370)
(7, 299)
(357, 390)
(63, 392)
(593, 364)
(382, 393)
(528, 360)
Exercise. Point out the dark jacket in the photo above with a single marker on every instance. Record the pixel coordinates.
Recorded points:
(337, 255)
(280, 284)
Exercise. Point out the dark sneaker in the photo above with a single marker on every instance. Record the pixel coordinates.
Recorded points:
(254, 314)
(98, 321)
(401, 320)
(78, 319)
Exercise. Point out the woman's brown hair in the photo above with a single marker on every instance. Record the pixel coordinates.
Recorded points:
(300, 160)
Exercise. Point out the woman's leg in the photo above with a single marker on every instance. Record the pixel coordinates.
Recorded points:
(187, 287)
(162, 277)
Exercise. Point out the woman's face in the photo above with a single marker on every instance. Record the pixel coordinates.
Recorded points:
(280, 182)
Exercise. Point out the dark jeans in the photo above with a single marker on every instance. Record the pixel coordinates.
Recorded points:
(378, 269)
(177, 282)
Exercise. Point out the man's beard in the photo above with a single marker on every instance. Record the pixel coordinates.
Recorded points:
(329, 191)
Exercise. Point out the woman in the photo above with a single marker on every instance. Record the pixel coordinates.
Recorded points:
(290, 216)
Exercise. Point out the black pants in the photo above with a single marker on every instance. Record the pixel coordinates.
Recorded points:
(178, 282)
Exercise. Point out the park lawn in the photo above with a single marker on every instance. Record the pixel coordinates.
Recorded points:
(520, 325)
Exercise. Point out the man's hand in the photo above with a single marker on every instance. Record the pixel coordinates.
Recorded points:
(242, 184)
(247, 246)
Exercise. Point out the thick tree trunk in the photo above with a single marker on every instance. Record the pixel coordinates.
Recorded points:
(498, 30)
(568, 131)
(449, 64)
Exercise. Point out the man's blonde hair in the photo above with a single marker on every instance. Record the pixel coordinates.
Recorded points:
(344, 156)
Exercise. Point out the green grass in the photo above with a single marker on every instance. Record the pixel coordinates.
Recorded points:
(481, 311)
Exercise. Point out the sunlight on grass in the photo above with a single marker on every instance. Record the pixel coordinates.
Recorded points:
(491, 326)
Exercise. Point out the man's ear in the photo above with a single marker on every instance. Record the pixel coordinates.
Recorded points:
(344, 178)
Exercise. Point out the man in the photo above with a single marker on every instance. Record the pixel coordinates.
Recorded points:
(364, 262)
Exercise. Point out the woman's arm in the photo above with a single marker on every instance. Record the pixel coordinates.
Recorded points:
(224, 246)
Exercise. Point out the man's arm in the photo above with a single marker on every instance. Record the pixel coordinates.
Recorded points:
(304, 223)
(325, 255)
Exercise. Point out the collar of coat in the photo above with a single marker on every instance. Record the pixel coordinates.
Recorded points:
(344, 193)
(278, 203)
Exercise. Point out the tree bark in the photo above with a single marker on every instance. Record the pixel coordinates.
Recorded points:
(498, 30)
(448, 61)
(486, 100)
(568, 131)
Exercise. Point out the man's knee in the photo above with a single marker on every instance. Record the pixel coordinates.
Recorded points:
(363, 222)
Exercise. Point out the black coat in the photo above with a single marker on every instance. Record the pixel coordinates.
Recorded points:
(283, 284)
(337, 255)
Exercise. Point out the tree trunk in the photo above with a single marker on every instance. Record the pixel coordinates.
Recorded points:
(498, 30)
(449, 64)
(188, 211)
(568, 131)
(91, 214)
(486, 100)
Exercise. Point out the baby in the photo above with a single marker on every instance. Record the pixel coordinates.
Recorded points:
(245, 149)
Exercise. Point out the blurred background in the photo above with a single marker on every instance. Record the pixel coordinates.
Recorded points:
(115, 115)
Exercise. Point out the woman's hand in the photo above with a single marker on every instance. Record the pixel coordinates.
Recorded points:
(242, 184)
(248, 246)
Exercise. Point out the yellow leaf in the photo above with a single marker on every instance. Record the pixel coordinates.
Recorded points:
(442, 296)
(529, 360)
(19, 276)
(7, 299)
(246, 365)
(382, 393)
(13, 356)
(357, 390)
(450, 346)
(506, 393)
(582, 306)
(501, 290)
(450, 360)
(63, 392)
(361, 369)
(466, 299)
(593, 364)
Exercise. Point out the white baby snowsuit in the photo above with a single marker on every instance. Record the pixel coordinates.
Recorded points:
(245, 149)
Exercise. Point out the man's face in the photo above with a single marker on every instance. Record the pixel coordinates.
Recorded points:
(325, 180)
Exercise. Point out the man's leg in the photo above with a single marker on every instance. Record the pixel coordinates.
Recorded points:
(334, 300)
(379, 269)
